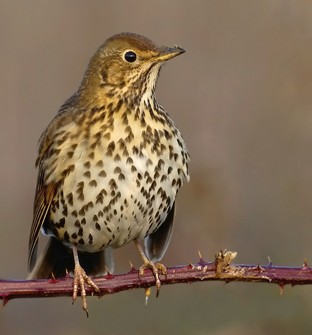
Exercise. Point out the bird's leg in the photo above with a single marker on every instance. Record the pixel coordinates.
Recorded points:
(156, 268)
(80, 278)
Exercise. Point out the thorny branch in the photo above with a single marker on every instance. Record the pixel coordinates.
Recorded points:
(221, 269)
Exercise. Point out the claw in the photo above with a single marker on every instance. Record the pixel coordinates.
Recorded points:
(156, 268)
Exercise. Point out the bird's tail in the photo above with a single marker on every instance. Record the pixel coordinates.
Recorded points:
(57, 259)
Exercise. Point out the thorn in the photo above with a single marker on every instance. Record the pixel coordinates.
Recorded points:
(109, 276)
(281, 286)
(148, 292)
(53, 280)
(5, 300)
(305, 264)
(201, 260)
(106, 269)
(270, 262)
(132, 268)
(67, 274)
(191, 265)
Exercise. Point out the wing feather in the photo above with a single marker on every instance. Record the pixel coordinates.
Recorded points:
(157, 243)
(43, 200)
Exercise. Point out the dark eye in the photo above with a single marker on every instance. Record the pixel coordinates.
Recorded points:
(130, 56)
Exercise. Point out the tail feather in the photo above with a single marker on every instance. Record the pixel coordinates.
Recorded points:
(57, 259)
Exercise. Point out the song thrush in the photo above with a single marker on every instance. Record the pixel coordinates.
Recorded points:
(110, 165)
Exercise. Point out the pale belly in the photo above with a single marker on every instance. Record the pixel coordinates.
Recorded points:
(103, 205)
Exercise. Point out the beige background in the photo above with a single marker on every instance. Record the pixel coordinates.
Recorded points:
(241, 96)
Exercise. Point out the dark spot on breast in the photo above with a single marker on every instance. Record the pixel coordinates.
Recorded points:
(87, 174)
(111, 146)
(70, 154)
(68, 170)
(80, 184)
(107, 136)
(87, 164)
(70, 199)
(156, 175)
(81, 197)
(149, 162)
(99, 199)
(112, 184)
(135, 150)
(62, 222)
(117, 170)
(93, 183)
(66, 236)
(99, 163)
(64, 211)
(102, 173)
(153, 186)
(160, 163)
(179, 183)
(117, 158)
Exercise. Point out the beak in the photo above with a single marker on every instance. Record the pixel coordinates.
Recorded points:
(165, 53)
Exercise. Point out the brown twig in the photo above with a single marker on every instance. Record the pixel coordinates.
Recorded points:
(221, 269)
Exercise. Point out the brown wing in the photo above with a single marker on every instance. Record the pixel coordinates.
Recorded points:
(43, 199)
(45, 193)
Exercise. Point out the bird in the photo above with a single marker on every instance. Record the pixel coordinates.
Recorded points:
(110, 165)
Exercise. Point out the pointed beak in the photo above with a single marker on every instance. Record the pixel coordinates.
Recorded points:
(165, 53)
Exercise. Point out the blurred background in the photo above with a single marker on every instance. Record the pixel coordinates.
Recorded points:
(241, 96)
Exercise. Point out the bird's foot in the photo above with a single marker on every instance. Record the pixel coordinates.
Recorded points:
(157, 269)
(80, 279)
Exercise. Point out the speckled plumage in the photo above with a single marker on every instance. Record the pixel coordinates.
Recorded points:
(110, 163)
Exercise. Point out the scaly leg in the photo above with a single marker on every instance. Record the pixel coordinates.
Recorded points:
(80, 278)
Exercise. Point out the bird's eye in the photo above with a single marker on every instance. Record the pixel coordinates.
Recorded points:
(130, 56)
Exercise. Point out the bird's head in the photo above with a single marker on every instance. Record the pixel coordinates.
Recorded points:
(127, 63)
